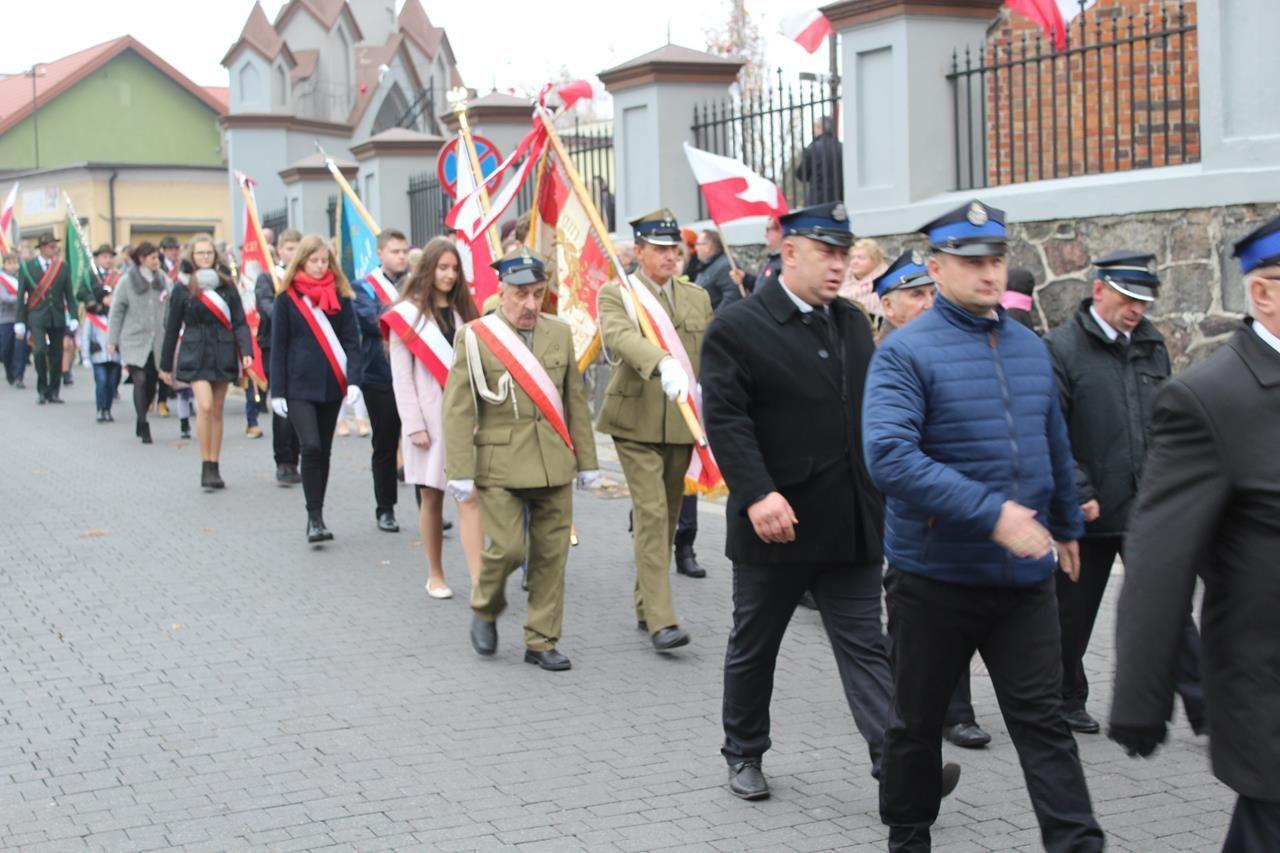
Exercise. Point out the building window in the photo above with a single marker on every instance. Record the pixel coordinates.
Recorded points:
(250, 83)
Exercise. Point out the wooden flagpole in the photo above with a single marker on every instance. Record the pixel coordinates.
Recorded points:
(580, 190)
(349, 192)
(458, 100)
(251, 206)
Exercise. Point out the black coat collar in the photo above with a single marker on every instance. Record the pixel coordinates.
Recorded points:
(1261, 359)
(782, 308)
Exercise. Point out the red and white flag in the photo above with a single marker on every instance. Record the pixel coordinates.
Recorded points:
(1048, 16)
(475, 252)
(731, 189)
(6, 219)
(253, 262)
(807, 28)
(468, 215)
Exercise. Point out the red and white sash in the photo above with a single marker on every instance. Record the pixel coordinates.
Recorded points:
(215, 303)
(98, 321)
(525, 369)
(9, 283)
(422, 336)
(46, 281)
(383, 290)
(325, 337)
(702, 465)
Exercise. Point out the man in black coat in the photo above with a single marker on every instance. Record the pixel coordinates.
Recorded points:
(1210, 503)
(822, 164)
(1108, 361)
(284, 441)
(782, 377)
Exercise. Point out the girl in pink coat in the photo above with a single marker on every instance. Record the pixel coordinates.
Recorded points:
(434, 295)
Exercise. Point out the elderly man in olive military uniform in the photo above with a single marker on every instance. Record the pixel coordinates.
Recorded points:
(45, 301)
(653, 442)
(516, 431)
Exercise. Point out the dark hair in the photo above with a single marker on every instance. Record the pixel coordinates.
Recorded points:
(420, 286)
(142, 250)
(1021, 281)
(389, 234)
(714, 239)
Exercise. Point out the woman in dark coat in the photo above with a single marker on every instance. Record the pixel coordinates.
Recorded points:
(315, 363)
(207, 318)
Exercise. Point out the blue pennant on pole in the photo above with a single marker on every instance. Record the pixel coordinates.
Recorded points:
(359, 245)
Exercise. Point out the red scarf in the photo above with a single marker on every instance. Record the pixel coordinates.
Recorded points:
(321, 291)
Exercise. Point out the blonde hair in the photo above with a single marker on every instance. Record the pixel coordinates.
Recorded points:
(307, 247)
(874, 253)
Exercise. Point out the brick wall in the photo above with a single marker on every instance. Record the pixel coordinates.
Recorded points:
(1114, 100)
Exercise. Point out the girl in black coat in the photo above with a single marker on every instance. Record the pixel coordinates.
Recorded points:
(305, 385)
(208, 317)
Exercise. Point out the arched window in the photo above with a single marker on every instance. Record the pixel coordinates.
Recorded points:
(250, 81)
(393, 107)
(281, 88)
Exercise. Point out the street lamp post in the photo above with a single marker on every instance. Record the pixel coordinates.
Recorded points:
(37, 70)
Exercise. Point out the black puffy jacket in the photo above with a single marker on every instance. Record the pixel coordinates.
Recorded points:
(1107, 389)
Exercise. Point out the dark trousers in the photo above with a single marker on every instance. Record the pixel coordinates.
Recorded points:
(106, 379)
(46, 346)
(764, 597)
(1255, 827)
(960, 708)
(1078, 605)
(284, 441)
(145, 380)
(314, 423)
(936, 627)
(13, 353)
(250, 403)
(687, 524)
(384, 423)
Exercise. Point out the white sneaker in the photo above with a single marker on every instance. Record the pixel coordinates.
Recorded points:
(441, 592)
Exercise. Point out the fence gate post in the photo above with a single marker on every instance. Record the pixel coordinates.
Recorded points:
(390, 159)
(898, 111)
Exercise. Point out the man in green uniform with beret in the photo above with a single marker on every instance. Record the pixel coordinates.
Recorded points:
(517, 431)
(653, 442)
(45, 301)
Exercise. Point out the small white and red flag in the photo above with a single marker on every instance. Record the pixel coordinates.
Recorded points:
(6, 219)
(807, 28)
(731, 189)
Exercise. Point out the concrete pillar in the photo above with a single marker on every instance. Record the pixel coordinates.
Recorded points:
(386, 163)
(308, 186)
(1239, 124)
(653, 100)
(897, 110)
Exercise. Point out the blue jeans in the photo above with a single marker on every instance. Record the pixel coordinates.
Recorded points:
(251, 403)
(13, 353)
(106, 379)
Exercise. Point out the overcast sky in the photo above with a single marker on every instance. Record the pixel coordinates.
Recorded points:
(497, 42)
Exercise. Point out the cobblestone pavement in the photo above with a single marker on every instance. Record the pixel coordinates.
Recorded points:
(180, 670)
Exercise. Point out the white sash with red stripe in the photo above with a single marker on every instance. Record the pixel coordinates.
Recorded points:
(9, 283)
(383, 290)
(422, 336)
(325, 337)
(522, 367)
(215, 303)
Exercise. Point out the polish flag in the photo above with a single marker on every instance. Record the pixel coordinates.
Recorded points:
(807, 28)
(1046, 14)
(6, 219)
(731, 189)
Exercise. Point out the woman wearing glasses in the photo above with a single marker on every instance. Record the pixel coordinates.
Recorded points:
(207, 335)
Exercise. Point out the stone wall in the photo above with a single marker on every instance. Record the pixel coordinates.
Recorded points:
(1202, 295)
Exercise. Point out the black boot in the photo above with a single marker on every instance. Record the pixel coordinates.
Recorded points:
(215, 478)
(686, 559)
(316, 531)
(185, 426)
(206, 475)
(287, 475)
(144, 432)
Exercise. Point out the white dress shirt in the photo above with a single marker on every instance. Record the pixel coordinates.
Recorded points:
(1107, 330)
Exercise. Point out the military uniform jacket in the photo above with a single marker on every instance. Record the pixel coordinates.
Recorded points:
(511, 445)
(634, 406)
(1210, 504)
(58, 300)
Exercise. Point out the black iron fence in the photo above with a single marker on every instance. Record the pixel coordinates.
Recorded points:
(428, 204)
(1120, 93)
(331, 210)
(787, 133)
(276, 220)
(591, 150)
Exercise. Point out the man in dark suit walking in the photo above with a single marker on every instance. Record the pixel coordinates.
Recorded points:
(782, 377)
(45, 302)
(1210, 503)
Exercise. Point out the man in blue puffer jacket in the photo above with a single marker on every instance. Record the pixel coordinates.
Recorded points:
(964, 434)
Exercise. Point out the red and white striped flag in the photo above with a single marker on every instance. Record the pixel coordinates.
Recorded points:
(807, 28)
(6, 219)
(731, 189)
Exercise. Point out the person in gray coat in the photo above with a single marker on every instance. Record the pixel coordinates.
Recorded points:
(135, 327)
(714, 275)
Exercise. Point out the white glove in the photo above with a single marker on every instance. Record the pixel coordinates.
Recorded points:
(353, 394)
(72, 325)
(675, 382)
(280, 407)
(587, 478)
(20, 329)
(460, 490)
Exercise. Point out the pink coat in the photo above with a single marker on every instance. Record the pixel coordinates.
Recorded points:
(420, 401)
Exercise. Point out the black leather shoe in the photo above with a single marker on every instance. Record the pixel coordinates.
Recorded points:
(215, 477)
(642, 625)
(670, 638)
(550, 659)
(1080, 721)
(484, 636)
(316, 531)
(950, 777)
(68, 379)
(747, 782)
(287, 475)
(387, 522)
(447, 526)
(687, 564)
(966, 735)
(54, 398)
(144, 433)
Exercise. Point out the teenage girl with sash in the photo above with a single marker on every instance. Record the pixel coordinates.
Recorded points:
(315, 363)
(207, 317)
(421, 326)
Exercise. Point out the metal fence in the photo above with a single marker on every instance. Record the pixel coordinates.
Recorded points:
(428, 204)
(1121, 94)
(276, 220)
(331, 210)
(591, 150)
(775, 134)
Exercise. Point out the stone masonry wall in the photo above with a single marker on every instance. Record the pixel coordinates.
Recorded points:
(1202, 295)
